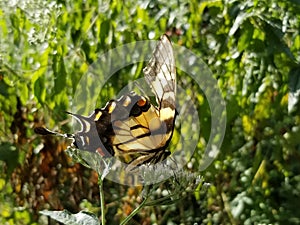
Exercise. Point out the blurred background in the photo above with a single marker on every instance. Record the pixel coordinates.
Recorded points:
(252, 49)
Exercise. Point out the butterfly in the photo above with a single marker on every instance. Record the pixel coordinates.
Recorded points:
(132, 128)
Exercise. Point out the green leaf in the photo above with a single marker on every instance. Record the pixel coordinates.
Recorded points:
(60, 74)
(247, 34)
(4, 88)
(277, 42)
(81, 218)
(294, 86)
(23, 92)
(9, 155)
(238, 22)
(297, 2)
(87, 21)
(294, 81)
(39, 89)
(104, 29)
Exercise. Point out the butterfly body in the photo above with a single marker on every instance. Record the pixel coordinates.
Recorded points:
(131, 128)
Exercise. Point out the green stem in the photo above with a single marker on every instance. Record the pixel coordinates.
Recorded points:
(134, 212)
(102, 203)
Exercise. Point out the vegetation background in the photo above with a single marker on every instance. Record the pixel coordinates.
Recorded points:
(253, 50)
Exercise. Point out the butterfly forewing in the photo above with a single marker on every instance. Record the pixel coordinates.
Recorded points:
(160, 74)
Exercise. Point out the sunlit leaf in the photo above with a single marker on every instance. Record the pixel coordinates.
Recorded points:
(65, 217)
(238, 22)
(24, 93)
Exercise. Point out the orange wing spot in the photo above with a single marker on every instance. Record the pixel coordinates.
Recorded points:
(142, 102)
(100, 151)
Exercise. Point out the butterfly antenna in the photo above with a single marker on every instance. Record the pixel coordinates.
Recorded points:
(45, 131)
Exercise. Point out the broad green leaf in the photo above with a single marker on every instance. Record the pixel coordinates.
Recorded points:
(104, 30)
(60, 74)
(39, 89)
(24, 92)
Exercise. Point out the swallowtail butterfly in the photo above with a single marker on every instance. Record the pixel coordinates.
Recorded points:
(131, 128)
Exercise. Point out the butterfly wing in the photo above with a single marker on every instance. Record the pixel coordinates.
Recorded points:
(160, 74)
(144, 137)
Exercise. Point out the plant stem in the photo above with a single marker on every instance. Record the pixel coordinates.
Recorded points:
(134, 212)
(102, 203)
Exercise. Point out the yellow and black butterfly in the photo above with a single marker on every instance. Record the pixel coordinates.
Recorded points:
(131, 128)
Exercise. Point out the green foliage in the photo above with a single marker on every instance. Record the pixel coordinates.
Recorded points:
(252, 48)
